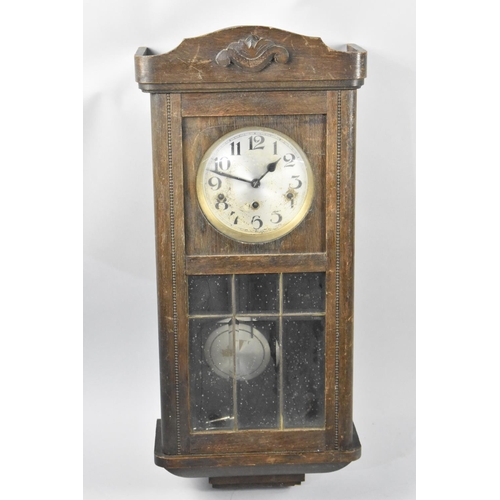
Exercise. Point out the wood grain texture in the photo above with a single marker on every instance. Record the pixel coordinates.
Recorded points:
(192, 65)
(280, 480)
(269, 440)
(243, 459)
(340, 274)
(220, 464)
(179, 291)
(254, 104)
(346, 292)
(331, 327)
(252, 264)
(164, 270)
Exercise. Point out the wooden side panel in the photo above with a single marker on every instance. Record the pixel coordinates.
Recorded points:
(340, 274)
(164, 268)
(168, 185)
(180, 287)
(346, 291)
(331, 340)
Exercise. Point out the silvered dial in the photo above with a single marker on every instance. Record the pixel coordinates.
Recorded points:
(255, 184)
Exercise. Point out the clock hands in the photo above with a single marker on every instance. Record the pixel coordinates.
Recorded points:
(270, 168)
(255, 182)
(231, 176)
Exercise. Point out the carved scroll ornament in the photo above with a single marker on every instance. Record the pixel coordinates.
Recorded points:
(252, 54)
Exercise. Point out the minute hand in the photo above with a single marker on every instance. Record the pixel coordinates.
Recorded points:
(230, 176)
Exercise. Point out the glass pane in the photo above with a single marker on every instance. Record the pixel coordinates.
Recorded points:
(209, 294)
(211, 391)
(304, 372)
(258, 400)
(304, 292)
(238, 357)
(257, 293)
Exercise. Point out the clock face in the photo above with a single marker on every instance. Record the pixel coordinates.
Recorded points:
(255, 184)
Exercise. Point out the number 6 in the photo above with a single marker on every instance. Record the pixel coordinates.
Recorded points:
(257, 219)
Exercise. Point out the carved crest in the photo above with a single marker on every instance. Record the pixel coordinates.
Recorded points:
(252, 53)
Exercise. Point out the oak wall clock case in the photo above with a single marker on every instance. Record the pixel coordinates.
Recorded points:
(253, 156)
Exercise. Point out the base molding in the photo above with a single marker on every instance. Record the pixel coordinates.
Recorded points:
(256, 469)
(275, 481)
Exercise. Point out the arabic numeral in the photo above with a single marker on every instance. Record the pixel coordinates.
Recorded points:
(222, 163)
(257, 222)
(235, 221)
(256, 142)
(214, 183)
(235, 148)
(276, 217)
(221, 203)
(289, 159)
(299, 182)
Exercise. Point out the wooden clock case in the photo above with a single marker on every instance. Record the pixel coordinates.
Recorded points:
(206, 87)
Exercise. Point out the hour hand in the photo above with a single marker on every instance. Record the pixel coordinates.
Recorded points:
(270, 168)
(230, 176)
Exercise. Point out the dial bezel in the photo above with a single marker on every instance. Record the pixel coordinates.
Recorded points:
(243, 236)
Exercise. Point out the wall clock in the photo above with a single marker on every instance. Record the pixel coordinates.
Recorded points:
(253, 134)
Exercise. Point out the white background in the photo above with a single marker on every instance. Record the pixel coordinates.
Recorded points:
(121, 386)
(40, 266)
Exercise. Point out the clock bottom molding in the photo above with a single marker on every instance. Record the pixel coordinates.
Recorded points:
(233, 470)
